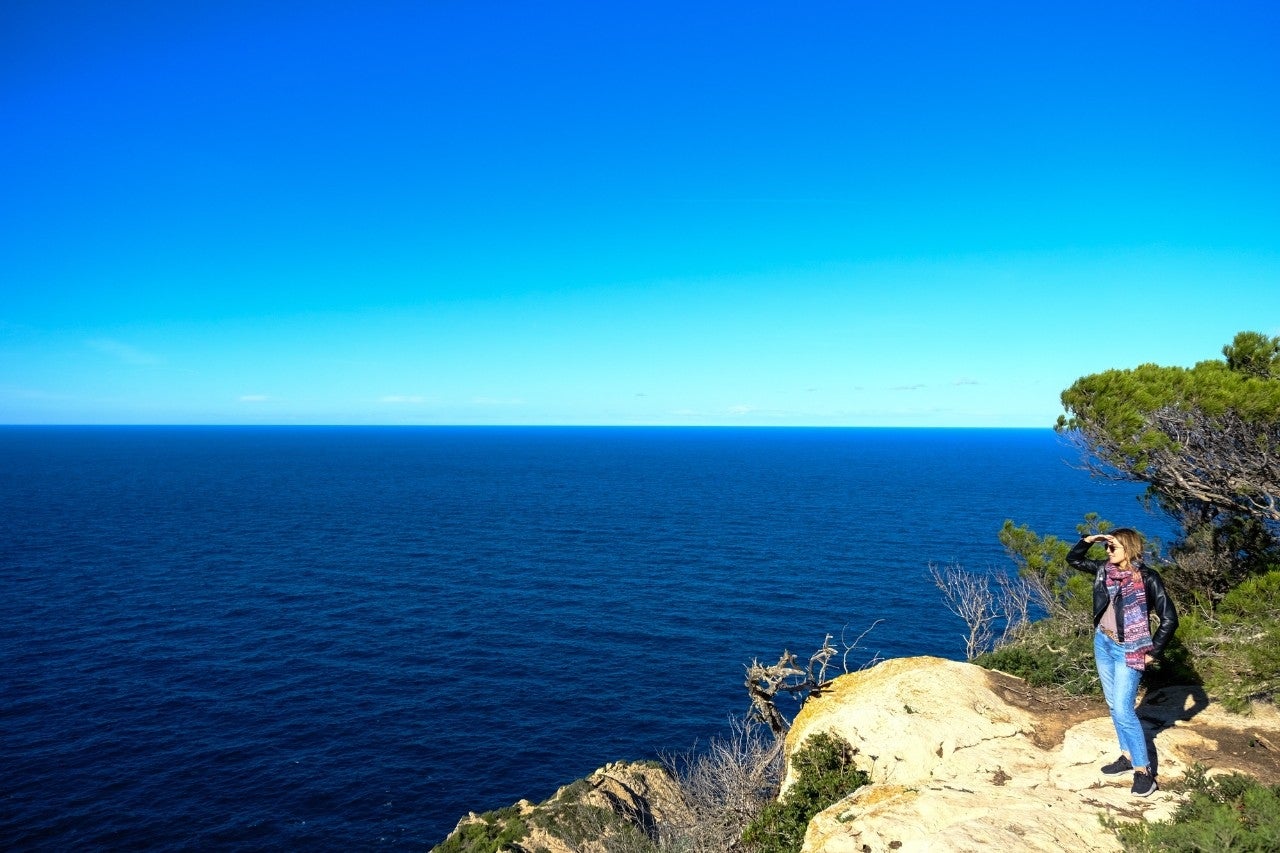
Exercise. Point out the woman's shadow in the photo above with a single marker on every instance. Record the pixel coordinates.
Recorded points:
(1174, 694)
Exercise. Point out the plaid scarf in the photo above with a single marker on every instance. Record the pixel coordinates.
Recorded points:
(1137, 628)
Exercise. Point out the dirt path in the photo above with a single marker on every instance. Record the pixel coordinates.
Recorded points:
(1247, 743)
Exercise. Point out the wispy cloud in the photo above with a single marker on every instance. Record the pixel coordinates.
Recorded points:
(126, 353)
(966, 381)
(494, 401)
(918, 387)
(254, 398)
(402, 399)
(740, 411)
(22, 393)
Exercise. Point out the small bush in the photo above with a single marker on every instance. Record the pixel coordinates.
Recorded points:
(1235, 650)
(1052, 652)
(1264, 655)
(724, 785)
(1226, 814)
(1195, 622)
(1037, 667)
(579, 823)
(1256, 599)
(825, 774)
(497, 831)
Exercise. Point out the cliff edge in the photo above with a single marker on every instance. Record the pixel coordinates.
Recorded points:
(960, 759)
(965, 759)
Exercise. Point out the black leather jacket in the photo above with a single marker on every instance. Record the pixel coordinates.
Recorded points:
(1158, 601)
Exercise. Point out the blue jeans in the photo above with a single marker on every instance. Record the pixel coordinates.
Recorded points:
(1120, 686)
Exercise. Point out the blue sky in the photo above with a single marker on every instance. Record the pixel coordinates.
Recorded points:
(879, 213)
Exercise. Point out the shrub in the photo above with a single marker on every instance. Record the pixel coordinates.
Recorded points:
(1235, 649)
(1056, 652)
(1037, 667)
(578, 824)
(825, 774)
(724, 786)
(1263, 659)
(1231, 814)
(1257, 598)
(496, 831)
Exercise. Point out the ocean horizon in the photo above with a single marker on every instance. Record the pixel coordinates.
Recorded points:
(252, 637)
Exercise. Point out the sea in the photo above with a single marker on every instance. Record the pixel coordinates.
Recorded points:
(325, 638)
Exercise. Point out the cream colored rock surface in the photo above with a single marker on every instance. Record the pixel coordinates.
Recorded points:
(962, 759)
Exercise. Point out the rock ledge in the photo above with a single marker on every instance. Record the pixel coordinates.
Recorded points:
(963, 759)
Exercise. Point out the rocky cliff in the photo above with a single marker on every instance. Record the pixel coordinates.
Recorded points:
(963, 759)
(960, 758)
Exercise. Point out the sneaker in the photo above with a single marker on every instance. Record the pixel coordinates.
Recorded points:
(1118, 767)
(1143, 784)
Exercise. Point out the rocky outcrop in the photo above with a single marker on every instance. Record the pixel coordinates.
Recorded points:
(963, 759)
(589, 815)
(960, 759)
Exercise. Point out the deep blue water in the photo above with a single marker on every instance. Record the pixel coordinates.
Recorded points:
(344, 638)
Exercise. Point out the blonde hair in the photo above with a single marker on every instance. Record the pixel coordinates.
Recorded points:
(1131, 541)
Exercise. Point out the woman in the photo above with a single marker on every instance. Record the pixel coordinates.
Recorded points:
(1125, 593)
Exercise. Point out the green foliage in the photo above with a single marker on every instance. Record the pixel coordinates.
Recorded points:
(577, 823)
(1041, 556)
(1196, 623)
(1234, 652)
(1226, 813)
(573, 791)
(1056, 651)
(1037, 667)
(1255, 599)
(1204, 439)
(1263, 659)
(1043, 561)
(1254, 354)
(1235, 647)
(496, 831)
(825, 774)
(1119, 401)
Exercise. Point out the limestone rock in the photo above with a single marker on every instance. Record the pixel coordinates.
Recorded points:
(962, 759)
(922, 712)
(582, 817)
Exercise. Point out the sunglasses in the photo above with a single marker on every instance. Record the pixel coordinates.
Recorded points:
(1114, 547)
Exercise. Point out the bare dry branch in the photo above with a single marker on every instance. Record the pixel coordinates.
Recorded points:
(968, 596)
(724, 786)
(764, 683)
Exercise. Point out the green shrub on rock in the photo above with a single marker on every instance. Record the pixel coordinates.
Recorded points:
(1225, 814)
(825, 774)
(493, 832)
(1050, 652)
(1256, 599)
